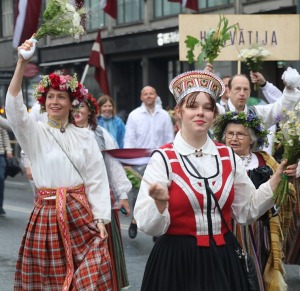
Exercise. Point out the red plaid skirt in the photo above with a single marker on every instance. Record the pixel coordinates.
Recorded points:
(62, 248)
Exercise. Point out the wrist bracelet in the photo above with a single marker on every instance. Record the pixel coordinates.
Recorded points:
(264, 84)
(99, 221)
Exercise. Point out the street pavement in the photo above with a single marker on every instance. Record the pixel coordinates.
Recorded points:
(18, 204)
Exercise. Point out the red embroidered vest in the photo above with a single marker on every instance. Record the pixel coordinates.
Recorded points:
(188, 199)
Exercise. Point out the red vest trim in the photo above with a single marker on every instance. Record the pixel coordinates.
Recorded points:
(188, 200)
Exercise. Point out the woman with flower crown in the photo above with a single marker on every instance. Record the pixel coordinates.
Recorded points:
(190, 190)
(65, 242)
(84, 114)
(263, 239)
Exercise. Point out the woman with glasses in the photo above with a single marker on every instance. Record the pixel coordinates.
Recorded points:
(190, 190)
(263, 239)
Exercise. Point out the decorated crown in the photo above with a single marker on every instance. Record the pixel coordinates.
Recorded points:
(196, 81)
(248, 120)
(60, 82)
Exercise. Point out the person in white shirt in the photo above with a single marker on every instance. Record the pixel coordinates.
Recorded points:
(148, 126)
(64, 245)
(85, 116)
(190, 190)
(224, 98)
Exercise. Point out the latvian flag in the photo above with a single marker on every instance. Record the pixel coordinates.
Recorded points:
(131, 157)
(26, 20)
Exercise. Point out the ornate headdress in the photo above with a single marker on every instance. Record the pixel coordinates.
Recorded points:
(196, 81)
(248, 120)
(60, 82)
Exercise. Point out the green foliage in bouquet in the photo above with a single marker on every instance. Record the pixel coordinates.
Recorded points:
(61, 19)
(214, 41)
(134, 177)
(289, 138)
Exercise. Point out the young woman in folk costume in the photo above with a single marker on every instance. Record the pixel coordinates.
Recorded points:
(85, 116)
(263, 240)
(65, 242)
(181, 188)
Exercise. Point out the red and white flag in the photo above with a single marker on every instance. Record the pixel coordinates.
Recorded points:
(97, 60)
(26, 20)
(132, 157)
(191, 4)
(110, 7)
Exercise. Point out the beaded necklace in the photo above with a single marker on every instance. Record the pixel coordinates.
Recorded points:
(247, 159)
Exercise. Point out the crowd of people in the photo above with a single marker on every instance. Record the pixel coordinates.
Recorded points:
(207, 189)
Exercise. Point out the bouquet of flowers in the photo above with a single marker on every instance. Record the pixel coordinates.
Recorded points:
(254, 57)
(214, 41)
(59, 19)
(289, 138)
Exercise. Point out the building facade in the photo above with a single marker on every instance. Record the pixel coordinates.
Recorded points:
(140, 47)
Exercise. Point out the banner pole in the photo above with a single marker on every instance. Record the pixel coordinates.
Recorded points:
(84, 73)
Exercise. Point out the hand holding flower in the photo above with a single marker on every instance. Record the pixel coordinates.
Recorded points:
(27, 49)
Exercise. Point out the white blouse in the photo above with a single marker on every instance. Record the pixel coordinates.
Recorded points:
(248, 203)
(51, 168)
(118, 180)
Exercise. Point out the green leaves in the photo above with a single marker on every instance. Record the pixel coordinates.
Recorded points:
(214, 41)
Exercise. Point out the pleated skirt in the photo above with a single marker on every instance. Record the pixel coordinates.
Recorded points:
(176, 263)
(42, 258)
(116, 250)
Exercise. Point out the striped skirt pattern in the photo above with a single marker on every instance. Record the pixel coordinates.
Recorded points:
(116, 251)
(43, 262)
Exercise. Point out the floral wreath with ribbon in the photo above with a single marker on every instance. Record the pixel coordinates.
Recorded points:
(60, 82)
(92, 104)
(248, 120)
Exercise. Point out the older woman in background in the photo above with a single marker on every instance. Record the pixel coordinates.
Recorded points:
(263, 239)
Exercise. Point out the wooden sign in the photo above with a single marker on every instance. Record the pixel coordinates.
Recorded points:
(279, 34)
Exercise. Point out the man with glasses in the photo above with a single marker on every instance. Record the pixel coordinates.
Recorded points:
(239, 92)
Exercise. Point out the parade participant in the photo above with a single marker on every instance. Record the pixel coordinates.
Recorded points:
(64, 246)
(109, 120)
(85, 116)
(263, 239)
(185, 186)
(148, 126)
(224, 98)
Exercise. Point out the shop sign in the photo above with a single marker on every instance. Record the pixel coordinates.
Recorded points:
(31, 70)
(167, 38)
(278, 33)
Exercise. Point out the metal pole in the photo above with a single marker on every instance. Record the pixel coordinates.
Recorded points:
(237, 7)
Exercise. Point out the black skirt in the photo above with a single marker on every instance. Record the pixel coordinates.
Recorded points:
(176, 263)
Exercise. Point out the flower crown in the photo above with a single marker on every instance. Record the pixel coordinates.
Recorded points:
(92, 103)
(60, 82)
(248, 120)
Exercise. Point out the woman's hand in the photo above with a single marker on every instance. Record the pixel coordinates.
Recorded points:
(291, 170)
(161, 196)
(209, 67)
(102, 229)
(26, 49)
(124, 203)
(282, 169)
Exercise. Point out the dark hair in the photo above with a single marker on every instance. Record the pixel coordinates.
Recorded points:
(189, 100)
(92, 118)
(237, 75)
(103, 99)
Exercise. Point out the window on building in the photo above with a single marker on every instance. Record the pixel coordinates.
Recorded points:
(212, 3)
(95, 18)
(165, 8)
(130, 11)
(7, 18)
